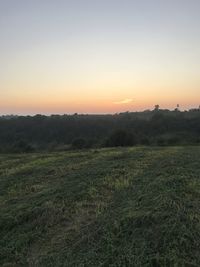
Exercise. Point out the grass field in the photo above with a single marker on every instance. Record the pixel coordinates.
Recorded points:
(108, 207)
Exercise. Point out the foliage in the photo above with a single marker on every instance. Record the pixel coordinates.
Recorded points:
(120, 138)
(78, 143)
(157, 127)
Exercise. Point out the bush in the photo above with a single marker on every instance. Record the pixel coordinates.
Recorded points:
(120, 138)
(145, 141)
(79, 143)
(161, 141)
(22, 147)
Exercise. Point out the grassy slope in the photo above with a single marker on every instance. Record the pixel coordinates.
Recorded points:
(110, 207)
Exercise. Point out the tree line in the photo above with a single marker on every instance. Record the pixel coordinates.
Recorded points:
(60, 132)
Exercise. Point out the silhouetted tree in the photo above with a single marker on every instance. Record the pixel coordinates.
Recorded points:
(156, 108)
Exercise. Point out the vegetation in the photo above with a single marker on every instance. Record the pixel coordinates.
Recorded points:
(42, 133)
(105, 207)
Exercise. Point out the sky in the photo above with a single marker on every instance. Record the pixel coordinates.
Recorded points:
(98, 56)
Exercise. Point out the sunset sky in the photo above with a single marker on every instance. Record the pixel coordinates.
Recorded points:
(98, 56)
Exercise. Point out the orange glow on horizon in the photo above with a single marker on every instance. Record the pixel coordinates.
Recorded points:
(70, 57)
(92, 105)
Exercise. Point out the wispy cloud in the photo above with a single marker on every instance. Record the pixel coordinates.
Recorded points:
(124, 101)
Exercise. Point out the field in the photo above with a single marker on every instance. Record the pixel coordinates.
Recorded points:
(108, 207)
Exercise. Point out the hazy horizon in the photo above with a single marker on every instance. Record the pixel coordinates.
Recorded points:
(97, 113)
(98, 57)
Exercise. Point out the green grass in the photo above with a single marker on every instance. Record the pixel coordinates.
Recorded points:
(107, 207)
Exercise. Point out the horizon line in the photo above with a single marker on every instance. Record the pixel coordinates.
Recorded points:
(89, 113)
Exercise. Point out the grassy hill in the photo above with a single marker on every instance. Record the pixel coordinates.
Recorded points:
(108, 207)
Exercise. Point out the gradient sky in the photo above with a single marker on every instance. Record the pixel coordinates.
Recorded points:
(98, 56)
